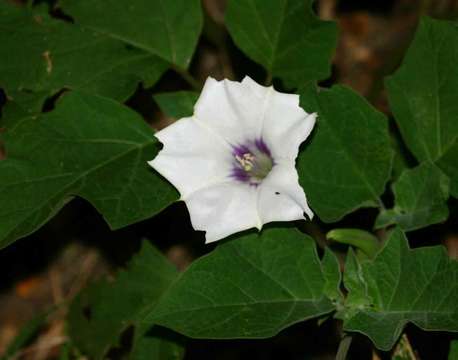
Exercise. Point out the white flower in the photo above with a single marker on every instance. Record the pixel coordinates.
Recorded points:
(233, 161)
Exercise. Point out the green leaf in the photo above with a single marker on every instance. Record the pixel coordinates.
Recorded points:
(250, 287)
(361, 239)
(26, 104)
(284, 36)
(422, 92)
(357, 296)
(159, 343)
(177, 104)
(168, 29)
(449, 165)
(103, 311)
(420, 199)
(88, 146)
(348, 160)
(400, 161)
(453, 354)
(403, 285)
(332, 276)
(42, 54)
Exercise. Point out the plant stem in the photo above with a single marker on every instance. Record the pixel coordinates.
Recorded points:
(344, 345)
(268, 80)
(315, 231)
(381, 204)
(196, 85)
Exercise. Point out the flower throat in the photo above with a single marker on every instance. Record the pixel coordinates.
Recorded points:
(252, 162)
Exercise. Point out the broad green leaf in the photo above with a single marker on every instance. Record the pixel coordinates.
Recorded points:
(177, 104)
(42, 54)
(422, 92)
(103, 311)
(168, 29)
(448, 163)
(284, 36)
(25, 104)
(420, 199)
(403, 285)
(348, 160)
(88, 146)
(250, 287)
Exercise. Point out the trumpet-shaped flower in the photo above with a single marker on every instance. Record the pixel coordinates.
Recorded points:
(233, 161)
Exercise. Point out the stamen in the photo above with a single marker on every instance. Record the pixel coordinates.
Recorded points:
(246, 161)
(253, 162)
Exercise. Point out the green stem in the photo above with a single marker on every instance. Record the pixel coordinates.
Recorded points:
(315, 231)
(268, 80)
(344, 346)
(381, 204)
(425, 5)
(196, 85)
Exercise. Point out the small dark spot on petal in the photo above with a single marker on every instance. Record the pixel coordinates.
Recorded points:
(277, 193)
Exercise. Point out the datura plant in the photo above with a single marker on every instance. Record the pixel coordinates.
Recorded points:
(330, 214)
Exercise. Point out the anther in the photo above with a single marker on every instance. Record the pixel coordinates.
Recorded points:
(246, 161)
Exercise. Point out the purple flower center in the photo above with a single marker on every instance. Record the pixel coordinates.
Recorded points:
(252, 162)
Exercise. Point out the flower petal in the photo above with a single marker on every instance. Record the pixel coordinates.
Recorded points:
(223, 209)
(286, 125)
(280, 197)
(192, 156)
(258, 90)
(231, 109)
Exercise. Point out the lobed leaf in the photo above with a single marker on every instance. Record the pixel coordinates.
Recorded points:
(420, 199)
(167, 29)
(250, 287)
(103, 311)
(177, 104)
(348, 160)
(88, 146)
(42, 54)
(284, 36)
(422, 92)
(401, 286)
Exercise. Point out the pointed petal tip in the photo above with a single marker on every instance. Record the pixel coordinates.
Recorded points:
(309, 214)
(313, 116)
(211, 238)
(248, 78)
(151, 162)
